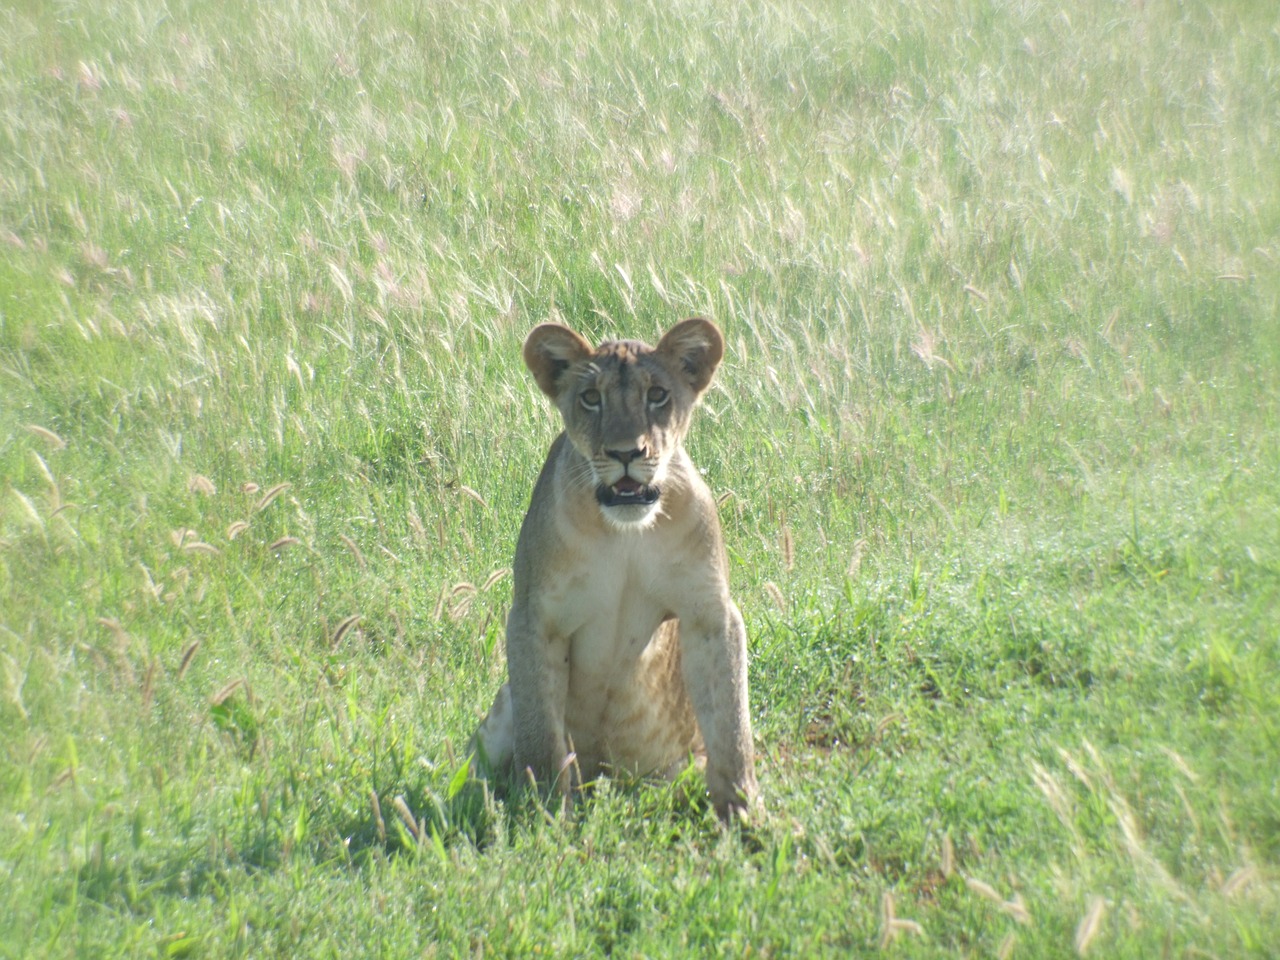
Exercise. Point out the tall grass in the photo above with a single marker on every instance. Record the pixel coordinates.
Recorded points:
(996, 437)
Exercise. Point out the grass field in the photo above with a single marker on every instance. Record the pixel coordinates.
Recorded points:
(997, 431)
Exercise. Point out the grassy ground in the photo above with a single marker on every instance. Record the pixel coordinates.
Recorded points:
(999, 421)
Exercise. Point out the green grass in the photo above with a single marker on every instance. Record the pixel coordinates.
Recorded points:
(999, 417)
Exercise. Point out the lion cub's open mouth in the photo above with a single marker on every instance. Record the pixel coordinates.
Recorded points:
(627, 492)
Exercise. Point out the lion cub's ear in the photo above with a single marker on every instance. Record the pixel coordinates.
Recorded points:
(696, 346)
(549, 350)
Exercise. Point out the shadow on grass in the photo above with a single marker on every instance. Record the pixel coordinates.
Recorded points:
(338, 830)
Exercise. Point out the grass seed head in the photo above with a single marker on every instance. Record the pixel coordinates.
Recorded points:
(224, 693)
(48, 436)
(270, 496)
(343, 627)
(187, 656)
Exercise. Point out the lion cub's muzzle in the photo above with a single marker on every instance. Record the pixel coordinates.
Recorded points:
(627, 490)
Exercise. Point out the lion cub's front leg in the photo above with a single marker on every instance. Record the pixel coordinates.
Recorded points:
(539, 669)
(714, 658)
(524, 729)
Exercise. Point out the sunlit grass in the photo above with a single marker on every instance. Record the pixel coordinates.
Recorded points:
(995, 435)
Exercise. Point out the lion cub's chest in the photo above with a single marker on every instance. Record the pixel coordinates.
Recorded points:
(624, 702)
(609, 604)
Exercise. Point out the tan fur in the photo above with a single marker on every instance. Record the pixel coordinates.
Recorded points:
(625, 651)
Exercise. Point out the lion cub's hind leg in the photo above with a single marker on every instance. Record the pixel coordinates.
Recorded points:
(493, 747)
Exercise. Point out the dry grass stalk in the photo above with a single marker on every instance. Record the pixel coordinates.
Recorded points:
(378, 822)
(224, 694)
(402, 808)
(55, 495)
(270, 496)
(887, 916)
(547, 818)
(494, 578)
(415, 523)
(1183, 767)
(1238, 881)
(284, 542)
(30, 508)
(47, 435)
(462, 594)
(1090, 924)
(775, 594)
(925, 347)
(1098, 780)
(892, 926)
(1188, 810)
(202, 485)
(117, 631)
(1076, 768)
(153, 590)
(237, 528)
(344, 625)
(467, 491)
(355, 551)
(1060, 803)
(855, 559)
(1017, 908)
(187, 656)
(788, 549)
(983, 889)
(1137, 851)
(149, 683)
(121, 652)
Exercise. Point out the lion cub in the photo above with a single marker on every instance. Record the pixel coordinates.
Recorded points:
(624, 649)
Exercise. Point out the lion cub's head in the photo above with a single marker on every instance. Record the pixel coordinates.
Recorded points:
(626, 405)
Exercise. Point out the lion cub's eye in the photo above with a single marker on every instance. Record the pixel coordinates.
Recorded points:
(658, 396)
(590, 399)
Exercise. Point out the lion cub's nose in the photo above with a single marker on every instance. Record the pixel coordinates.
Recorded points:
(625, 457)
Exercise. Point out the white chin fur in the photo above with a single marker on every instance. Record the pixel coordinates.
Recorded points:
(638, 516)
(632, 517)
